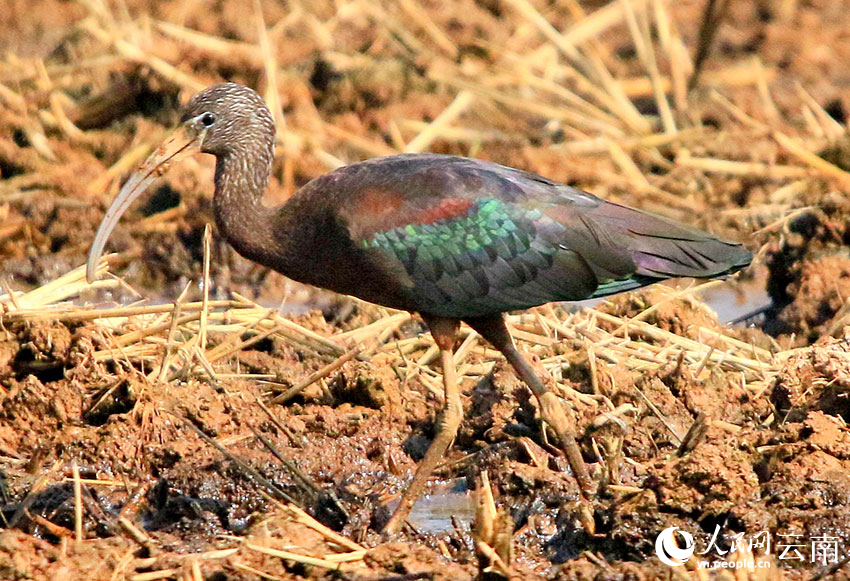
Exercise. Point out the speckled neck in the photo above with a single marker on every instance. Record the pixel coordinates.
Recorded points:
(241, 178)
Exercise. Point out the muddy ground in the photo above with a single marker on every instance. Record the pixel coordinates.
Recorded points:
(775, 455)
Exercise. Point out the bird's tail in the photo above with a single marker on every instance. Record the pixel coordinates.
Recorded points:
(611, 236)
(667, 249)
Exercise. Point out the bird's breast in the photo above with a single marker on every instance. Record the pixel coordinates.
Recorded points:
(319, 251)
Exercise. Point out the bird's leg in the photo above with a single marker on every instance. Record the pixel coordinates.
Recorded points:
(493, 329)
(444, 332)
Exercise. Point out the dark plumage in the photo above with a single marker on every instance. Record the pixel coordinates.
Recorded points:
(458, 237)
(449, 237)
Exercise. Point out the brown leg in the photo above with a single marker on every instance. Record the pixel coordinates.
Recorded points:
(493, 329)
(444, 332)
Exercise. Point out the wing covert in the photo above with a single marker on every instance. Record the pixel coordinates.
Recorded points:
(493, 257)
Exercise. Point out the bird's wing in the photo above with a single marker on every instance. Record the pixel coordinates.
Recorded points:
(477, 238)
(489, 257)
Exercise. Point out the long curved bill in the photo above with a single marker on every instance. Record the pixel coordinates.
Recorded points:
(180, 144)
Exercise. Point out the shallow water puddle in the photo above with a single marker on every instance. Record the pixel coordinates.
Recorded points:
(739, 300)
(734, 301)
(433, 512)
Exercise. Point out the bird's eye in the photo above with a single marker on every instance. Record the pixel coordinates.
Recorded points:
(208, 119)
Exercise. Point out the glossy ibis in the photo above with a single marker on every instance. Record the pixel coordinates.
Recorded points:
(451, 238)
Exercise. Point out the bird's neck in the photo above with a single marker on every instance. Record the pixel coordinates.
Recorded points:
(241, 179)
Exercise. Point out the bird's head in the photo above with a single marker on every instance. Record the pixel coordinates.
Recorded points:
(224, 119)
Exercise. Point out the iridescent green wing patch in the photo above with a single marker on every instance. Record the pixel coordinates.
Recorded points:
(489, 247)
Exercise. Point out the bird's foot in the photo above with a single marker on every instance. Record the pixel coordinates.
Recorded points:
(585, 516)
(553, 414)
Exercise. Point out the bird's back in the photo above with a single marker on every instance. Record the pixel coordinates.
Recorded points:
(459, 237)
